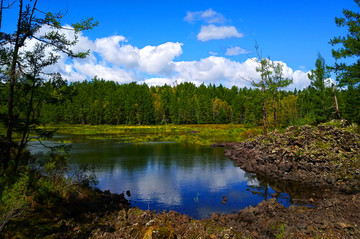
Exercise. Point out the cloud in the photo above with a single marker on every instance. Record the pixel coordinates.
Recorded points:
(80, 69)
(213, 53)
(112, 51)
(102, 71)
(216, 70)
(208, 16)
(158, 59)
(235, 51)
(158, 81)
(150, 59)
(212, 32)
(113, 58)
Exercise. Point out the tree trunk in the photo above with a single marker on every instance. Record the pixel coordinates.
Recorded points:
(274, 109)
(263, 107)
(12, 82)
(336, 106)
(23, 141)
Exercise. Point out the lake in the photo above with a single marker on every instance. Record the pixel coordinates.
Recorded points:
(191, 179)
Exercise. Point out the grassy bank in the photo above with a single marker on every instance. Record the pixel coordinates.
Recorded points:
(199, 134)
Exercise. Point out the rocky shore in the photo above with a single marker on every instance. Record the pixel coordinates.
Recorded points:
(325, 156)
(333, 217)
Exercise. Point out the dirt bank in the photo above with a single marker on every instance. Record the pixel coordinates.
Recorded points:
(335, 217)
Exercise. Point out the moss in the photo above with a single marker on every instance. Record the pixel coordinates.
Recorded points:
(164, 232)
(323, 145)
(137, 211)
(196, 134)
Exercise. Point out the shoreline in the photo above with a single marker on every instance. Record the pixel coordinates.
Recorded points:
(335, 202)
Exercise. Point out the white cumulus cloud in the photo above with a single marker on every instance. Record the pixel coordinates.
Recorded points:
(208, 16)
(158, 81)
(111, 50)
(90, 70)
(235, 51)
(150, 59)
(158, 59)
(212, 32)
(113, 58)
(216, 70)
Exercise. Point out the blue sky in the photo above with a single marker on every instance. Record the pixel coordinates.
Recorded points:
(209, 41)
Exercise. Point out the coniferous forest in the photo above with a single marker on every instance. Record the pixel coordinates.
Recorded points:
(105, 102)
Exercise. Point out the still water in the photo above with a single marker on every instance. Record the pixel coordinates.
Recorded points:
(187, 178)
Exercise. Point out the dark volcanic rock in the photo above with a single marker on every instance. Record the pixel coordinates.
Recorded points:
(318, 156)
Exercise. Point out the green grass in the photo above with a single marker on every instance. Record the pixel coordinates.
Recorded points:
(205, 134)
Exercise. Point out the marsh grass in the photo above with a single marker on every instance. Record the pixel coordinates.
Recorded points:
(205, 134)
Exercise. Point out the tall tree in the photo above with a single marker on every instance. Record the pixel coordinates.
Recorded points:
(264, 69)
(320, 99)
(349, 47)
(276, 81)
(19, 63)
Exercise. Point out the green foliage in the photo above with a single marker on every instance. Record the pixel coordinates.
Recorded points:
(348, 47)
(85, 24)
(349, 103)
(15, 200)
(316, 100)
(271, 79)
(44, 184)
(280, 234)
(277, 80)
(53, 190)
(25, 86)
(319, 74)
(98, 102)
(103, 102)
(280, 230)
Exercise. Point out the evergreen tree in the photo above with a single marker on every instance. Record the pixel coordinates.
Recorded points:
(275, 82)
(319, 91)
(351, 107)
(203, 105)
(349, 47)
(264, 69)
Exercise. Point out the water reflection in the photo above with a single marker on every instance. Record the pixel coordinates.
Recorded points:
(189, 179)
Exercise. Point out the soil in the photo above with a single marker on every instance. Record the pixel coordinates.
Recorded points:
(323, 162)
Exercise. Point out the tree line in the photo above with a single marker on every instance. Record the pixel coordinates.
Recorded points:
(106, 102)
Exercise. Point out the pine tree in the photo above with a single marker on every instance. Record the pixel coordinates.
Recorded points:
(349, 47)
(319, 91)
(276, 81)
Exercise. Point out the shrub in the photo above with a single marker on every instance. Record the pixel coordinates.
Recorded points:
(15, 200)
